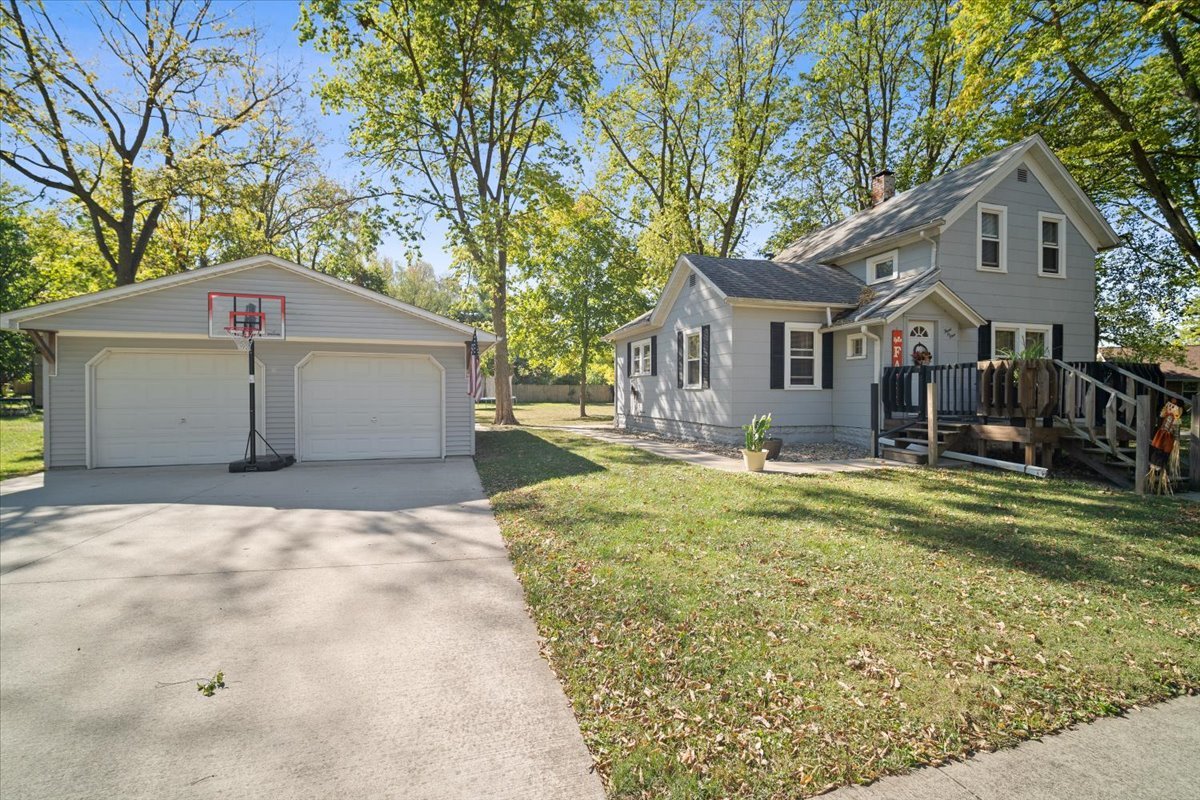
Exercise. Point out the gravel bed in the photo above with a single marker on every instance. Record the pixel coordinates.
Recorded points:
(818, 451)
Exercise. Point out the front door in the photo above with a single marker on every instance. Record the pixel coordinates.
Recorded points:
(922, 337)
(920, 341)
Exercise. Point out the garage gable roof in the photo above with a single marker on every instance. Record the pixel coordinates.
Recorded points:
(14, 320)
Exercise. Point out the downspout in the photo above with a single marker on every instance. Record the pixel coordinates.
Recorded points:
(828, 316)
(932, 250)
(875, 379)
(877, 342)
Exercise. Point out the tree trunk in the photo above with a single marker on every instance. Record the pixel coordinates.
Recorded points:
(504, 400)
(583, 383)
(125, 270)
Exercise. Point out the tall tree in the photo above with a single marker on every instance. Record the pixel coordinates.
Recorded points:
(700, 101)
(1147, 296)
(44, 256)
(19, 285)
(275, 197)
(419, 285)
(460, 99)
(1113, 86)
(584, 278)
(125, 133)
(885, 91)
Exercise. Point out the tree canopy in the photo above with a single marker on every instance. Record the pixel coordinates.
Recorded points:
(581, 279)
(461, 101)
(699, 97)
(124, 154)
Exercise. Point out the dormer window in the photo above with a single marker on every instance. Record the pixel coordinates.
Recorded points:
(883, 267)
(993, 238)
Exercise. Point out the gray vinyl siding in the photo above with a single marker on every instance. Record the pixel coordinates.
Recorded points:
(314, 310)
(1021, 295)
(65, 426)
(913, 257)
(662, 403)
(851, 394)
(948, 348)
(753, 395)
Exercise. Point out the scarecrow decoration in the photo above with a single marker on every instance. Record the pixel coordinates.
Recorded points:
(1164, 450)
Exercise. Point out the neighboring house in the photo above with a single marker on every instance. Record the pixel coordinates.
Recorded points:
(139, 375)
(1180, 377)
(996, 255)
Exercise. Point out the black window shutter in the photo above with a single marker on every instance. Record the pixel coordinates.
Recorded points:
(628, 359)
(704, 338)
(679, 359)
(653, 355)
(984, 350)
(776, 355)
(827, 360)
(1056, 346)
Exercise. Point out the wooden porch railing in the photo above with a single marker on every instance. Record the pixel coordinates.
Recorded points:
(903, 389)
(1018, 389)
(1113, 408)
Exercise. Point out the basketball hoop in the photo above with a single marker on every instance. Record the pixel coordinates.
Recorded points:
(242, 337)
(247, 318)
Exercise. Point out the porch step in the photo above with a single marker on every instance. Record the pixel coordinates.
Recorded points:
(904, 441)
(903, 455)
(1116, 473)
(1129, 451)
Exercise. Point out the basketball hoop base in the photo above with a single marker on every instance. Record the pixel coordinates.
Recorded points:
(271, 463)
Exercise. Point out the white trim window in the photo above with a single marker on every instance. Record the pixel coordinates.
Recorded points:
(1052, 252)
(883, 267)
(641, 359)
(802, 363)
(1016, 337)
(992, 241)
(692, 377)
(856, 346)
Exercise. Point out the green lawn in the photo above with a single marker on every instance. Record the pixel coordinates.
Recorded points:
(769, 636)
(554, 414)
(20, 445)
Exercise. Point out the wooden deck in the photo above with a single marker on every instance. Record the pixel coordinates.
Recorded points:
(1102, 415)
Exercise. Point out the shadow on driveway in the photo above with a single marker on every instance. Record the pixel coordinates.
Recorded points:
(373, 637)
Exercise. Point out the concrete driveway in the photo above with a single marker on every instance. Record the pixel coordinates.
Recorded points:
(373, 636)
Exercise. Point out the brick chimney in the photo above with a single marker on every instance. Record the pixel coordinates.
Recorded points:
(883, 186)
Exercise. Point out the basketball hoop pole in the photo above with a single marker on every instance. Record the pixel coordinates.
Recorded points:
(245, 341)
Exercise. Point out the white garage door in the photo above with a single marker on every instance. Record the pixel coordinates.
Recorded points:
(157, 408)
(370, 406)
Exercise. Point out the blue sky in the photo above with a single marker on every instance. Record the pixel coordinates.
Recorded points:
(280, 46)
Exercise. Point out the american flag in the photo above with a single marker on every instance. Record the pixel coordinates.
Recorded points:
(474, 376)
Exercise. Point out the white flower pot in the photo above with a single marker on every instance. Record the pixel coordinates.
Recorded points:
(755, 459)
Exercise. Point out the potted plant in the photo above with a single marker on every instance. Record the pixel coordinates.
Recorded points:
(756, 435)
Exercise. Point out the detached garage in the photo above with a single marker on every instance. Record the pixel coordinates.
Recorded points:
(145, 375)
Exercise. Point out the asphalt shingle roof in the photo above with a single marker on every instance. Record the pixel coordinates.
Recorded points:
(633, 323)
(758, 279)
(906, 211)
(891, 297)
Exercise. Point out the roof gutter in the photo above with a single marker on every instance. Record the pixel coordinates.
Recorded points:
(750, 302)
(621, 333)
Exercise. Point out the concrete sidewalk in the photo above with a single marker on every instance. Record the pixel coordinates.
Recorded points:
(714, 461)
(1150, 754)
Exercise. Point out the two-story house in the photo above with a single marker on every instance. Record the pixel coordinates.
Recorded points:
(996, 256)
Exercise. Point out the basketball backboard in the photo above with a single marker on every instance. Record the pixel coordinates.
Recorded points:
(263, 315)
